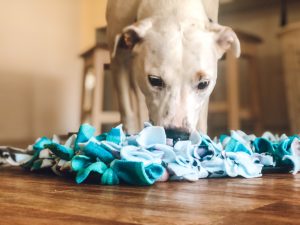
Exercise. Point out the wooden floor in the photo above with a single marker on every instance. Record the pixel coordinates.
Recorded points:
(39, 198)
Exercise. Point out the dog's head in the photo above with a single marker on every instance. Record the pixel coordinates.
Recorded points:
(175, 65)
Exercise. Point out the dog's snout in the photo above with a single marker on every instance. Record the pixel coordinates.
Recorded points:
(177, 133)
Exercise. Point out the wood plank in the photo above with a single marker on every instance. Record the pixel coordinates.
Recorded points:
(232, 91)
(101, 58)
(218, 107)
(42, 198)
(107, 117)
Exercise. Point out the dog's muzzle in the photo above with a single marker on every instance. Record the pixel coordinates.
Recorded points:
(177, 134)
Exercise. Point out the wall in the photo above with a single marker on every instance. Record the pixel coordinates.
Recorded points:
(39, 68)
(92, 16)
(40, 71)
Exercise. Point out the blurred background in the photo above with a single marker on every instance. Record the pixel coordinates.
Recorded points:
(53, 56)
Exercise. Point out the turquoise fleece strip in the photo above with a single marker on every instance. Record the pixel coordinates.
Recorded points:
(84, 134)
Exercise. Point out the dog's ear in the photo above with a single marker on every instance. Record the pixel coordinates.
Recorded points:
(132, 35)
(226, 39)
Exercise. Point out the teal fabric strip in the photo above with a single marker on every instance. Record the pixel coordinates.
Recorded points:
(101, 137)
(97, 168)
(40, 143)
(235, 146)
(29, 163)
(116, 135)
(95, 150)
(136, 173)
(80, 162)
(85, 132)
(61, 151)
(110, 177)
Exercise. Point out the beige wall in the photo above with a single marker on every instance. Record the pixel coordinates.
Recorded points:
(92, 16)
(40, 71)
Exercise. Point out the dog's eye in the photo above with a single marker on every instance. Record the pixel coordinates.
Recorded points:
(156, 81)
(203, 84)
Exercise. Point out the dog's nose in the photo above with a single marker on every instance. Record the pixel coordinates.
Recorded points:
(177, 134)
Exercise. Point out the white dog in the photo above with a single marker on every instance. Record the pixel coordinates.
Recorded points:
(165, 54)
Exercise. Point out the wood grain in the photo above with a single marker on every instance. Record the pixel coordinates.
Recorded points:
(41, 198)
